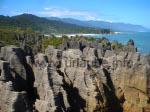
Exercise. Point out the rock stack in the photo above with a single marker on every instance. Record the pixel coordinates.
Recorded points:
(77, 76)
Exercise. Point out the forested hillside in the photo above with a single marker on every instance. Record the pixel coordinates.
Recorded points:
(43, 25)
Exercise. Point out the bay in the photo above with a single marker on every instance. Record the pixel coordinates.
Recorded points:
(141, 39)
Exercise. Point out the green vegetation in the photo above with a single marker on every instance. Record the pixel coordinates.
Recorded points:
(7, 39)
(43, 25)
(78, 37)
(8, 35)
(54, 41)
(116, 45)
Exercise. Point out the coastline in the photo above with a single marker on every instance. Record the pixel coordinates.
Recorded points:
(140, 38)
(82, 34)
(73, 35)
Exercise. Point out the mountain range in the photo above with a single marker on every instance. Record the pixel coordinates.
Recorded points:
(115, 26)
(48, 25)
(43, 25)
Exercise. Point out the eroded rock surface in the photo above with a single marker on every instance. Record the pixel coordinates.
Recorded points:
(80, 76)
(15, 82)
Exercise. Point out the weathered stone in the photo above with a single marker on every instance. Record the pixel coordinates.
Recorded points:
(100, 53)
(135, 94)
(49, 50)
(16, 58)
(41, 60)
(129, 48)
(64, 45)
(109, 53)
(53, 55)
(4, 71)
(75, 44)
(73, 84)
(52, 96)
(90, 53)
(130, 42)
(11, 101)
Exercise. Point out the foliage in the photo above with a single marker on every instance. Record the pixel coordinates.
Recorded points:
(43, 25)
(77, 37)
(9, 34)
(120, 46)
(6, 37)
(54, 41)
(116, 45)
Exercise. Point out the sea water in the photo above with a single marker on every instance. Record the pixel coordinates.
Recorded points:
(141, 39)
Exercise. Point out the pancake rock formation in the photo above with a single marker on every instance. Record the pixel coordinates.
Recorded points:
(77, 76)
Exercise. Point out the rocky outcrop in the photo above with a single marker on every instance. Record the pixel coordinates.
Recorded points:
(129, 47)
(85, 88)
(80, 76)
(15, 82)
(16, 57)
(130, 42)
(130, 78)
(48, 82)
(12, 101)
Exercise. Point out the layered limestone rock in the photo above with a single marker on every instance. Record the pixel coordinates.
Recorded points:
(53, 55)
(70, 88)
(12, 101)
(80, 76)
(130, 77)
(83, 82)
(16, 57)
(48, 83)
(14, 81)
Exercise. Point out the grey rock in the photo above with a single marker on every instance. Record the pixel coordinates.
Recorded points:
(54, 55)
(123, 55)
(29, 60)
(16, 58)
(109, 53)
(100, 53)
(52, 96)
(11, 101)
(90, 53)
(27, 49)
(64, 45)
(4, 68)
(41, 60)
(60, 87)
(135, 57)
(130, 42)
(49, 50)
(75, 44)
(129, 48)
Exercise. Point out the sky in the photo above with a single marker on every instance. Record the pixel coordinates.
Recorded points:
(126, 11)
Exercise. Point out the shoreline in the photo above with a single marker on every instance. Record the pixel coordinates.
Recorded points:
(81, 34)
(73, 35)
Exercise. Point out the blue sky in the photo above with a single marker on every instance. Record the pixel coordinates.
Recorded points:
(127, 11)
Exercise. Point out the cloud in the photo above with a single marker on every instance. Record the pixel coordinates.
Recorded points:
(55, 11)
(106, 20)
(63, 12)
(15, 13)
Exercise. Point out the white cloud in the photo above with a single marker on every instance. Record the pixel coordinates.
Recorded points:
(15, 13)
(104, 20)
(62, 12)
(54, 11)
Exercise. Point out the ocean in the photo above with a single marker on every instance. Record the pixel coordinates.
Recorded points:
(141, 39)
